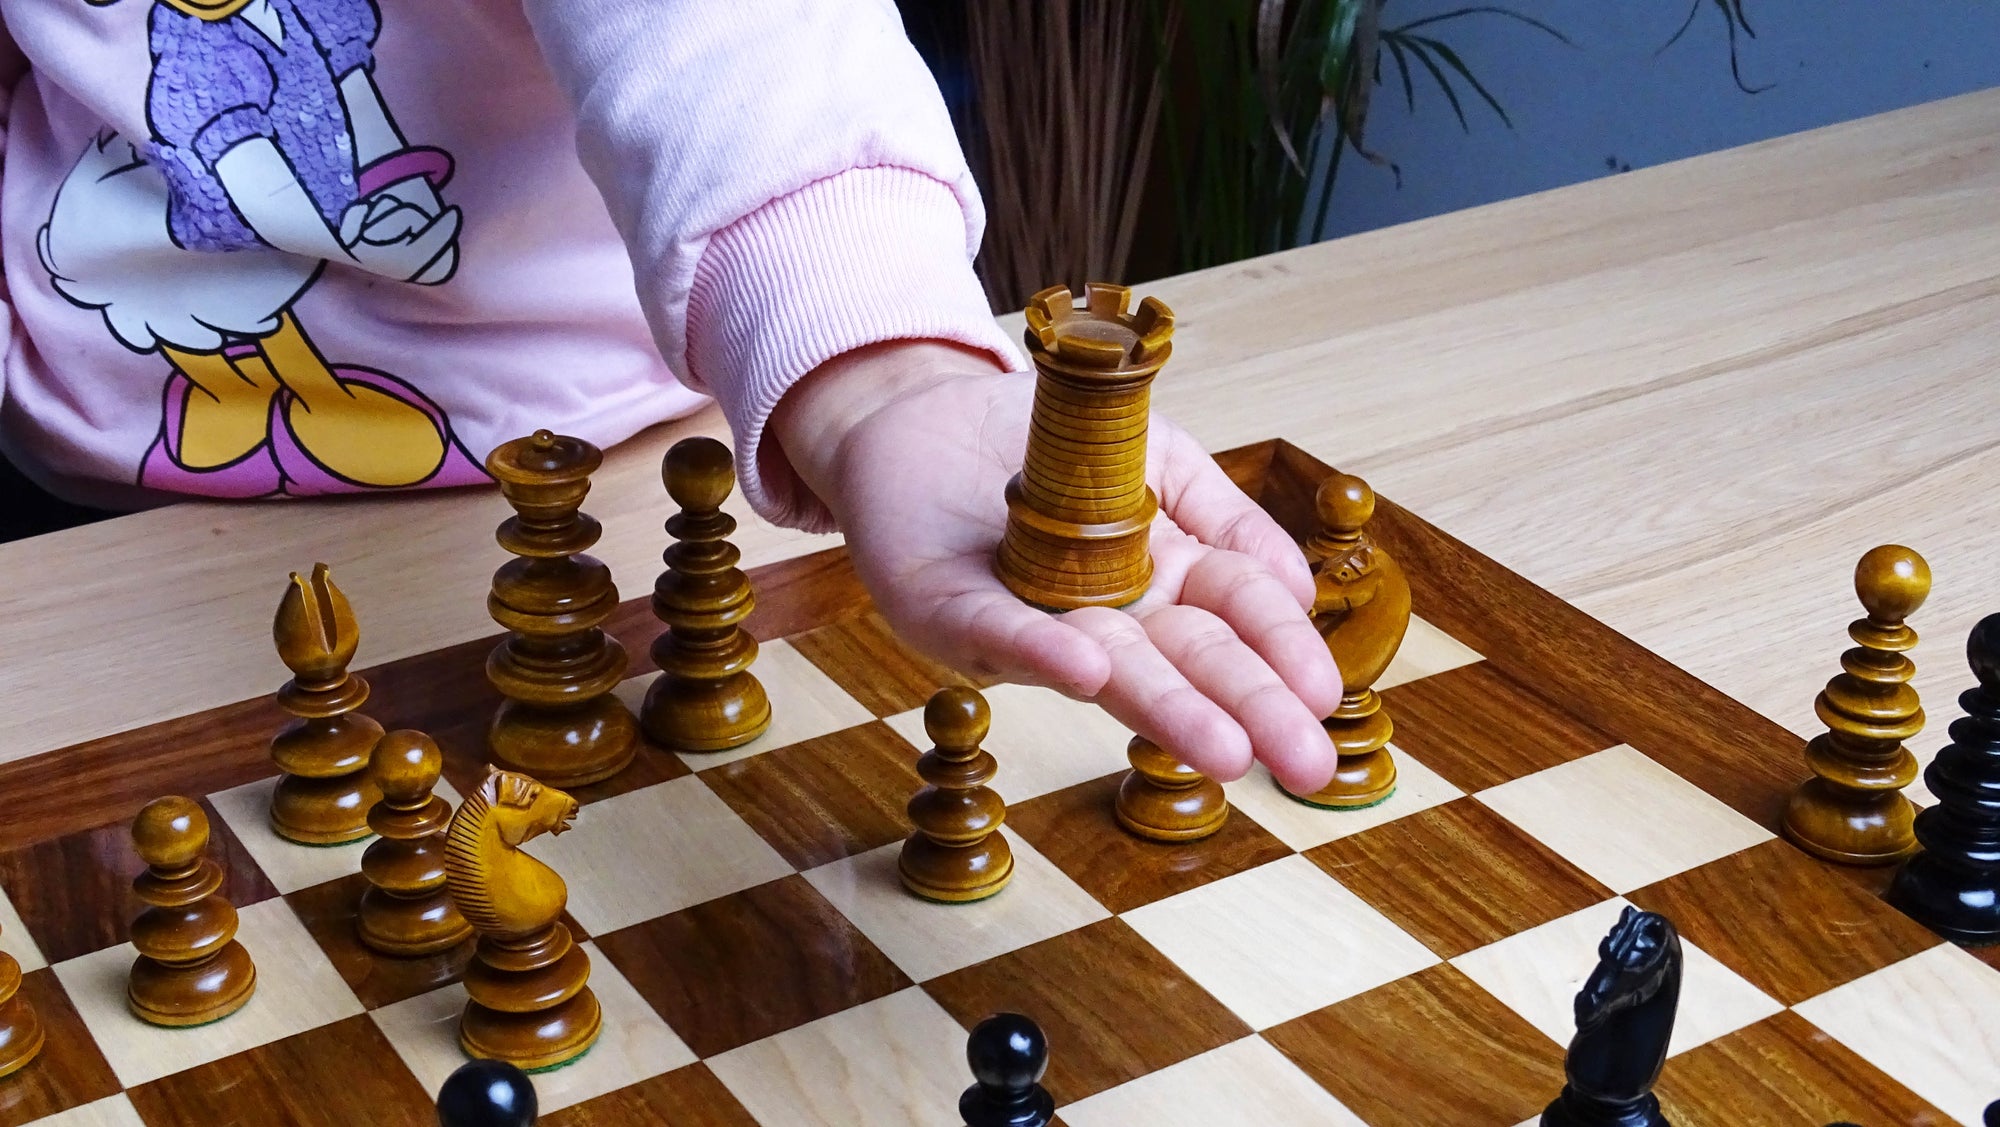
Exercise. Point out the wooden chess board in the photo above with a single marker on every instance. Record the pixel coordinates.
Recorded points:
(758, 962)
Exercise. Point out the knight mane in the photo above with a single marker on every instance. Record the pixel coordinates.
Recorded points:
(465, 868)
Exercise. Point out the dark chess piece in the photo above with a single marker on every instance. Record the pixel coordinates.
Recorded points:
(1008, 1055)
(487, 1093)
(1953, 885)
(1624, 1021)
(1992, 1116)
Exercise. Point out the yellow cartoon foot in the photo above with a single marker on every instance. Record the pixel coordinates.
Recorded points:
(226, 412)
(367, 435)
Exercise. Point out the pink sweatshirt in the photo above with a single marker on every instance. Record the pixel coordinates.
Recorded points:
(259, 248)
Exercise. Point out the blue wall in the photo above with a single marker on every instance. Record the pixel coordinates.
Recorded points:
(1611, 101)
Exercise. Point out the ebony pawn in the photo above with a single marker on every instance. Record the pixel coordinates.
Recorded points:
(487, 1093)
(1008, 1055)
(1953, 885)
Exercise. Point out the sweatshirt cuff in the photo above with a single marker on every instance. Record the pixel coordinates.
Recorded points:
(866, 256)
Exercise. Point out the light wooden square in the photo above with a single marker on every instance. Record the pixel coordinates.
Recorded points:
(15, 940)
(297, 990)
(111, 1111)
(634, 1045)
(896, 1060)
(1623, 818)
(804, 703)
(1279, 941)
(1932, 1022)
(1044, 741)
(1426, 651)
(290, 865)
(926, 938)
(1303, 827)
(1538, 972)
(655, 850)
(1245, 1081)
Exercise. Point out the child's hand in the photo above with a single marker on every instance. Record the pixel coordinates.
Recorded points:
(911, 444)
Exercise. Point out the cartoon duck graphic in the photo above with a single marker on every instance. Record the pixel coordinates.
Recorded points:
(272, 155)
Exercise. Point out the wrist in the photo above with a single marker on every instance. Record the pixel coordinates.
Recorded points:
(814, 418)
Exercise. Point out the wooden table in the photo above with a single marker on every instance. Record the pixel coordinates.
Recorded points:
(1686, 399)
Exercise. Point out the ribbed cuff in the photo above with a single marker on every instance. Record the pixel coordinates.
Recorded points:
(870, 255)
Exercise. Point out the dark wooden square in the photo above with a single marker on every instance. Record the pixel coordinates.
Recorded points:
(1783, 1072)
(1077, 829)
(1458, 876)
(826, 798)
(1785, 921)
(1425, 1050)
(1117, 1008)
(1479, 728)
(751, 964)
(74, 893)
(685, 1097)
(865, 658)
(329, 911)
(68, 1072)
(346, 1072)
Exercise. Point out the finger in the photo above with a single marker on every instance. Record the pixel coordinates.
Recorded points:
(991, 634)
(1284, 734)
(1205, 503)
(1147, 694)
(1242, 593)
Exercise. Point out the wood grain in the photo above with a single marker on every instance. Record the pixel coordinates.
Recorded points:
(826, 798)
(864, 656)
(1076, 829)
(685, 1097)
(1423, 1050)
(346, 1072)
(1782, 1072)
(1479, 728)
(69, 1072)
(751, 964)
(1785, 921)
(1458, 876)
(329, 913)
(1081, 987)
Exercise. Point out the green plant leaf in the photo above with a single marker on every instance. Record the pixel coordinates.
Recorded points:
(1415, 47)
(1490, 10)
(1452, 60)
(1402, 67)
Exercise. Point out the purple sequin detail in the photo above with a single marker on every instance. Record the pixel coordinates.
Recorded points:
(217, 84)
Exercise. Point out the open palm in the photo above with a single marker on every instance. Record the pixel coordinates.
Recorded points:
(1217, 663)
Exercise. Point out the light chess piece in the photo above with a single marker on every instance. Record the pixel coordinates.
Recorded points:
(1079, 513)
(957, 853)
(1853, 810)
(1624, 1025)
(191, 970)
(1008, 1054)
(1952, 884)
(21, 1035)
(325, 792)
(1361, 607)
(705, 698)
(529, 1001)
(406, 910)
(560, 723)
(1163, 800)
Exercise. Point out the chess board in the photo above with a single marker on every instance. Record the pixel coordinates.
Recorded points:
(759, 963)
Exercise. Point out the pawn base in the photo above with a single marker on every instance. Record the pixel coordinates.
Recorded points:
(1359, 781)
(21, 1035)
(410, 927)
(1157, 813)
(1571, 1110)
(564, 747)
(686, 714)
(1851, 828)
(331, 811)
(956, 874)
(196, 993)
(1963, 910)
(536, 1040)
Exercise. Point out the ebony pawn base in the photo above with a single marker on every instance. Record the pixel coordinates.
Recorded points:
(1572, 1110)
(1963, 911)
